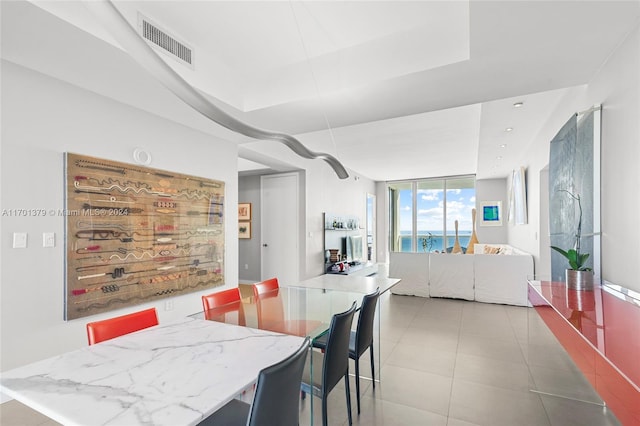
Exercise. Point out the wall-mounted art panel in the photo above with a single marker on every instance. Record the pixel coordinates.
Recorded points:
(136, 234)
(574, 171)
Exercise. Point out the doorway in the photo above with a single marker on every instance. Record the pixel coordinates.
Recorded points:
(279, 236)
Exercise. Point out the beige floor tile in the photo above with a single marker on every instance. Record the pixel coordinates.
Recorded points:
(379, 412)
(492, 372)
(13, 413)
(566, 412)
(491, 406)
(500, 349)
(422, 358)
(417, 389)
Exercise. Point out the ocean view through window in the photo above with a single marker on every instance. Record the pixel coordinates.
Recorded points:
(423, 213)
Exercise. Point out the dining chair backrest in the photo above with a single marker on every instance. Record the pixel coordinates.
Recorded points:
(265, 286)
(269, 309)
(277, 395)
(364, 331)
(99, 331)
(220, 298)
(336, 355)
(224, 306)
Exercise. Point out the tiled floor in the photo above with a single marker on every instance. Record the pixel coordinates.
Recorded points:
(453, 363)
(457, 363)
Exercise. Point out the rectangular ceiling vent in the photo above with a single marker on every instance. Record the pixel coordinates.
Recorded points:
(164, 41)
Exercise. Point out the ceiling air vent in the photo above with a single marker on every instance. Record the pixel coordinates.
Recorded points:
(167, 43)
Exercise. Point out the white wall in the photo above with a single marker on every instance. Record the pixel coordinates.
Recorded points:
(326, 193)
(526, 237)
(617, 88)
(492, 190)
(42, 118)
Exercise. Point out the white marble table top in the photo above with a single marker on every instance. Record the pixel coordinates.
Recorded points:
(357, 284)
(171, 374)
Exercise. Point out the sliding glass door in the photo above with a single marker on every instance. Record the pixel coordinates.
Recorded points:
(423, 213)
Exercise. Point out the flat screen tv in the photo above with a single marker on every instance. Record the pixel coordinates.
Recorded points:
(354, 248)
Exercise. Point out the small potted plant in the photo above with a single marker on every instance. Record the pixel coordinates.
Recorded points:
(578, 276)
(427, 242)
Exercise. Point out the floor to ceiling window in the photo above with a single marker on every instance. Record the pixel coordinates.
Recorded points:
(423, 213)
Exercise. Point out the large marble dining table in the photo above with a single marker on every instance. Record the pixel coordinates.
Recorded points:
(180, 372)
(171, 374)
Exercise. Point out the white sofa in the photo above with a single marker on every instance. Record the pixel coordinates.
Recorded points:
(413, 269)
(451, 275)
(500, 277)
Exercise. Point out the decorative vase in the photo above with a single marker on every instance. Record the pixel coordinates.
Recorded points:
(456, 245)
(474, 238)
(579, 280)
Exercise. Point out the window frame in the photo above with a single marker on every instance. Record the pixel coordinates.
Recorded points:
(394, 209)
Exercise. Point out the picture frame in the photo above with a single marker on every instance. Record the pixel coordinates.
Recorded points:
(244, 211)
(244, 230)
(490, 213)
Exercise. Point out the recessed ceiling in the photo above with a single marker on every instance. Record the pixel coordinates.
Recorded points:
(408, 89)
(277, 52)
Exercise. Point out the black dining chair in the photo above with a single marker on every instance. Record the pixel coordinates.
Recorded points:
(276, 398)
(332, 365)
(361, 339)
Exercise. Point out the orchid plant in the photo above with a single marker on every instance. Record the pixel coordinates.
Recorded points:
(576, 259)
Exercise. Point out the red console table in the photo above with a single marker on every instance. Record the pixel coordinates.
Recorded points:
(600, 330)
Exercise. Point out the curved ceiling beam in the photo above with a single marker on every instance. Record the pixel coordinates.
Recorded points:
(129, 39)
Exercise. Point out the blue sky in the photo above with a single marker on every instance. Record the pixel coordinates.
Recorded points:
(430, 209)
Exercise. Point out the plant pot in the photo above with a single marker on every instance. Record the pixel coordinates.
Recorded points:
(579, 280)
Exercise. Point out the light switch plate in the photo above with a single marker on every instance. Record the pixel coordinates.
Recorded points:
(19, 240)
(48, 239)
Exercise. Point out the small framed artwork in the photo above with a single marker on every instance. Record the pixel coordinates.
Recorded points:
(244, 230)
(490, 213)
(244, 211)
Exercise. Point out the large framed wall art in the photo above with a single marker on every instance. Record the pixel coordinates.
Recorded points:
(136, 234)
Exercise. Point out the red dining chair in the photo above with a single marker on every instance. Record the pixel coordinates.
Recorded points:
(99, 331)
(220, 298)
(214, 305)
(265, 286)
(269, 308)
(271, 313)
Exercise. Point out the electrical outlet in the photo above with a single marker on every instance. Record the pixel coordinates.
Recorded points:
(168, 305)
(246, 266)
